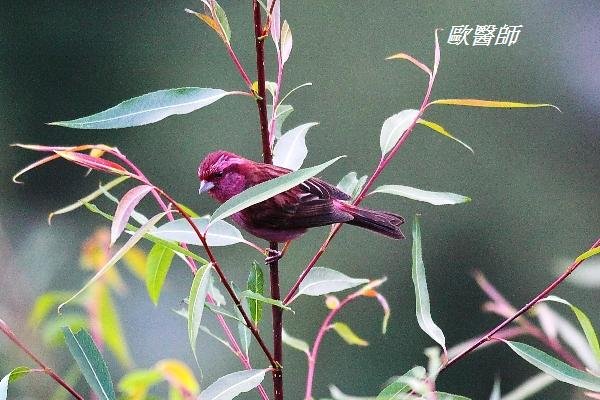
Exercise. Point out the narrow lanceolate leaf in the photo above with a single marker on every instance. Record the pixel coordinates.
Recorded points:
(348, 183)
(348, 334)
(88, 198)
(266, 190)
(554, 367)
(496, 394)
(435, 198)
(124, 209)
(4, 387)
(337, 394)
(295, 343)
(222, 21)
(259, 297)
(196, 307)
(158, 264)
(394, 128)
(110, 325)
(245, 336)
(281, 113)
(18, 373)
(219, 233)
(286, 41)
(421, 294)
(275, 28)
(179, 375)
(584, 321)
(490, 103)
(320, 281)
(148, 108)
(440, 129)
(90, 362)
(396, 389)
(290, 150)
(230, 386)
(136, 237)
(408, 57)
(530, 387)
(449, 396)
(256, 284)
(98, 164)
(167, 243)
(588, 254)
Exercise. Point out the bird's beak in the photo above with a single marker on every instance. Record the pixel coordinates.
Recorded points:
(205, 186)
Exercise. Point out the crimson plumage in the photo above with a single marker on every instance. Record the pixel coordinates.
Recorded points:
(289, 214)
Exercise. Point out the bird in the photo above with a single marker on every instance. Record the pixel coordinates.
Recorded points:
(288, 215)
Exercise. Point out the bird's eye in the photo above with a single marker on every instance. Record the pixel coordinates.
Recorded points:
(218, 174)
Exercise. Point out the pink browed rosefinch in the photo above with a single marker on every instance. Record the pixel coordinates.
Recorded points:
(289, 214)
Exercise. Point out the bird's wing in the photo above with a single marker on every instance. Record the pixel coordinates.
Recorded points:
(312, 203)
(314, 186)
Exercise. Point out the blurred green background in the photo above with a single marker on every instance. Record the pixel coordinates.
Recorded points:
(534, 178)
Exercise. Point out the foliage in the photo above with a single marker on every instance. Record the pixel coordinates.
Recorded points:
(186, 234)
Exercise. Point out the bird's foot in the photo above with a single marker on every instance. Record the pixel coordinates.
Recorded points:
(272, 256)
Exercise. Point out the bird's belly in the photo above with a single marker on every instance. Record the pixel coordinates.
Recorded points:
(269, 234)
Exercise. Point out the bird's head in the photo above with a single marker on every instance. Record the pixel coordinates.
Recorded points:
(221, 174)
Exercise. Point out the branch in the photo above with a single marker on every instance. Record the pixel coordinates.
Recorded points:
(10, 334)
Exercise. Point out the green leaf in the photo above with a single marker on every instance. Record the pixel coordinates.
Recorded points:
(135, 384)
(223, 311)
(223, 22)
(295, 343)
(422, 295)
(52, 334)
(148, 108)
(44, 304)
(435, 198)
(196, 307)
(216, 337)
(394, 128)
(554, 367)
(166, 243)
(256, 284)
(158, 264)
(89, 197)
(320, 281)
(230, 386)
(18, 373)
(266, 190)
(245, 337)
(256, 296)
(290, 150)
(584, 321)
(496, 394)
(337, 394)
(220, 233)
(351, 185)
(348, 334)
(90, 363)
(4, 387)
(530, 387)
(282, 112)
(112, 332)
(399, 386)
(137, 236)
(448, 396)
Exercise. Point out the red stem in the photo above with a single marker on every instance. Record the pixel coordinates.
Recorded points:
(9, 333)
(261, 102)
(522, 311)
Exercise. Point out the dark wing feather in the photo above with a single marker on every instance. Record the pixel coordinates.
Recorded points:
(312, 203)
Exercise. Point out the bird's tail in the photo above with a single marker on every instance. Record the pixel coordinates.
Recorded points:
(383, 222)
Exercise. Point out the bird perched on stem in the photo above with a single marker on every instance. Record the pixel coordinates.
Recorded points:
(287, 215)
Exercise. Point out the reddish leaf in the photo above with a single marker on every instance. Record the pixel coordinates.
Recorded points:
(98, 164)
(124, 209)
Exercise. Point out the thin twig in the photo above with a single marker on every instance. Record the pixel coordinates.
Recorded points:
(10, 334)
(522, 311)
